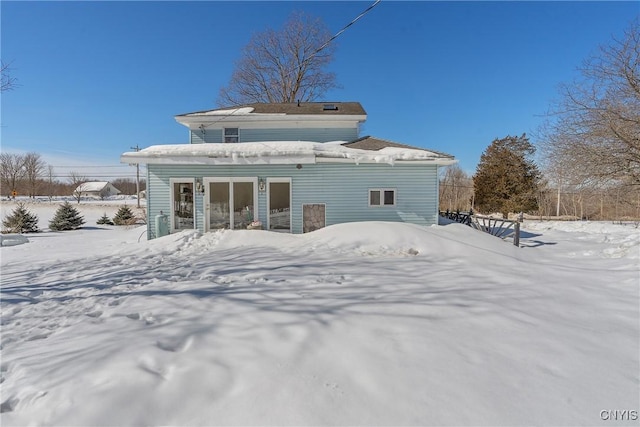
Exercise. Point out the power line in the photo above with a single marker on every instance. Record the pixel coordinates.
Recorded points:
(335, 36)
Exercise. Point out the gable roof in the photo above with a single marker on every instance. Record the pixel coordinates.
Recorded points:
(94, 186)
(287, 108)
(370, 143)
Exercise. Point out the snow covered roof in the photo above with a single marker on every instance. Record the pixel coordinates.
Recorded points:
(93, 186)
(284, 152)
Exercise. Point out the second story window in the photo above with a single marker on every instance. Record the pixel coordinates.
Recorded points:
(231, 135)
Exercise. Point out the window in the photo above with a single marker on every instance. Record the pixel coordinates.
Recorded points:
(231, 135)
(182, 215)
(382, 197)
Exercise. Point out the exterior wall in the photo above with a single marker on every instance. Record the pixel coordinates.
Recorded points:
(254, 135)
(342, 187)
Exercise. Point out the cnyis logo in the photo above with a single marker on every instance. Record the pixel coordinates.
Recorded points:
(618, 415)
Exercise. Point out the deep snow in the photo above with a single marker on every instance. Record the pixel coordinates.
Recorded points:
(355, 324)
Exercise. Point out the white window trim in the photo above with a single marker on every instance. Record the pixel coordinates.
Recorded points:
(276, 180)
(230, 180)
(224, 135)
(172, 182)
(382, 190)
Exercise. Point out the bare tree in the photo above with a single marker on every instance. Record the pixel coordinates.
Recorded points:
(76, 180)
(128, 186)
(11, 172)
(34, 167)
(594, 130)
(283, 66)
(50, 186)
(7, 82)
(456, 190)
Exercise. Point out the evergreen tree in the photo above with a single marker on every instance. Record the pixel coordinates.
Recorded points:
(506, 178)
(21, 221)
(66, 218)
(124, 216)
(104, 220)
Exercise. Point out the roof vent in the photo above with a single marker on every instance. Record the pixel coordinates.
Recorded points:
(329, 107)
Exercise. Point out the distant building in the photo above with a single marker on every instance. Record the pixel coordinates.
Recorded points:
(99, 189)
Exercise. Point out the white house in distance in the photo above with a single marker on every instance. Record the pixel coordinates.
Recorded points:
(99, 189)
(288, 167)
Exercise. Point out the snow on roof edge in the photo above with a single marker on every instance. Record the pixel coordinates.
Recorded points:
(273, 150)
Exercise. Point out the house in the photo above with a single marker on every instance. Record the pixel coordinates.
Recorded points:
(100, 189)
(288, 167)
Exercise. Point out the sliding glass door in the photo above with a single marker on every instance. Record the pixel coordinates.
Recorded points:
(231, 202)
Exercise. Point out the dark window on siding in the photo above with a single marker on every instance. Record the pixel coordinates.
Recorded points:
(231, 135)
(382, 197)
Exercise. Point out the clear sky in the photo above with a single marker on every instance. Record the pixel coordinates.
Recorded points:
(97, 78)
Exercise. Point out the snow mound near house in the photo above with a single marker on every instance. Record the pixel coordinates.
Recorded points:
(363, 238)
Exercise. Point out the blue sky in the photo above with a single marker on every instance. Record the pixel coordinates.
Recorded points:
(96, 78)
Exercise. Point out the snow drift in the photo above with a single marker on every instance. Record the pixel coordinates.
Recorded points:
(356, 324)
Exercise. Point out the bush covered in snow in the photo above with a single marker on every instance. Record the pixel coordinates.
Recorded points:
(104, 220)
(124, 216)
(21, 221)
(66, 218)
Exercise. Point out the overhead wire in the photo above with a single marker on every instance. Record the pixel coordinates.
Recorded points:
(306, 60)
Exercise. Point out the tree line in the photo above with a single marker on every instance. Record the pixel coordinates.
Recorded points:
(29, 175)
(589, 162)
(499, 183)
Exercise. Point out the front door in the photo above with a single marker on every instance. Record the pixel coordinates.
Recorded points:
(231, 202)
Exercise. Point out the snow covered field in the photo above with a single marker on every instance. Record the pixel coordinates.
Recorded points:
(356, 324)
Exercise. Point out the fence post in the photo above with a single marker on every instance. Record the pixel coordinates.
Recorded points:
(516, 230)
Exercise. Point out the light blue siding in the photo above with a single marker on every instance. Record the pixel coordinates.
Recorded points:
(343, 188)
(297, 134)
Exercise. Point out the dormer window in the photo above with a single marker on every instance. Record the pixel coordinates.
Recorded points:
(329, 107)
(231, 135)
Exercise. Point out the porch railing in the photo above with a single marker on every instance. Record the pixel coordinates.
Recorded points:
(502, 228)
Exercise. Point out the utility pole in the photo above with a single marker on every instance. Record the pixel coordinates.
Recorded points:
(137, 177)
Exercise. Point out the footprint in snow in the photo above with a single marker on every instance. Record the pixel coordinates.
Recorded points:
(39, 336)
(175, 344)
(150, 365)
(9, 405)
(94, 314)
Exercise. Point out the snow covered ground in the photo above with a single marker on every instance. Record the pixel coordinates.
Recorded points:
(355, 324)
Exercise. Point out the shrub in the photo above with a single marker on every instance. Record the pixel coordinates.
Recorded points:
(124, 216)
(66, 218)
(104, 220)
(21, 221)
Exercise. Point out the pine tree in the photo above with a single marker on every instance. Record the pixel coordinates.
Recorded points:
(506, 178)
(21, 221)
(124, 216)
(104, 220)
(66, 218)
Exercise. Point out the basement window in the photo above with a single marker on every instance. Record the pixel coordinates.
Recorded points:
(382, 197)
(231, 135)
